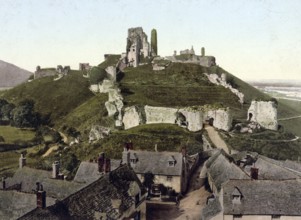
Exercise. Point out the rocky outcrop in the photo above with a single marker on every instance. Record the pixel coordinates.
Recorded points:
(98, 132)
(156, 115)
(114, 105)
(264, 113)
(215, 79)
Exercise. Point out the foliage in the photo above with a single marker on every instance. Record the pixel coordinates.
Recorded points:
(96, 75)
(148, 179)
(25, 116)
(154, 43)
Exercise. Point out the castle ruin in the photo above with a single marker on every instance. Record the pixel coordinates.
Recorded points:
(137, 46)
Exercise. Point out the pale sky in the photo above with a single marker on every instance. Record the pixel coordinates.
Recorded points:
(258, 39)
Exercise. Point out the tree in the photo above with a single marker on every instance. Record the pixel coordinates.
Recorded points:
(7, 111)
(148, 180)
(154, 44)
(3, 103)
(24, 116)
(97, 75)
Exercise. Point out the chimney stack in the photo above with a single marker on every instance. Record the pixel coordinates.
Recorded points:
(128, 146)
(55, 169)
(254, 173)
(22, 161)
(101, 162)
(184, 151)
(41, 196)
(107, 165)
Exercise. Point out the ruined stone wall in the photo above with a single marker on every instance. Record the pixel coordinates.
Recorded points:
(191, 118)
(155, 115)
(222, 118)
(44, 72)
(194, 118)
(207, 61)
(264, 113)
(137, 46)
(215, 79)
(132, 117)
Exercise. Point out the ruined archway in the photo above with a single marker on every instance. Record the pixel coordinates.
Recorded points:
(210, 121)
(250, 116)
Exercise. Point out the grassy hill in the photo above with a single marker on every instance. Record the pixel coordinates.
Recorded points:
(71, 104)
(57, 98)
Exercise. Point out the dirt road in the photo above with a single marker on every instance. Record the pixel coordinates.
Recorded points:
(216, 139)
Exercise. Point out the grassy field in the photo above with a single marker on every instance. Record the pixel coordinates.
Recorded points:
(12, 135)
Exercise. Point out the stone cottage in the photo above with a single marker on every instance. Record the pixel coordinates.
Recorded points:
(168, 168)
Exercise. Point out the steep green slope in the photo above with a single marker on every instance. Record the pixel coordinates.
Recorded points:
(91, 112)
(57, 98)
(182, 84)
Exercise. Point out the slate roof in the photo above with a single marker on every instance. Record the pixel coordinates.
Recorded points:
(211, 209)
(293, 165)
(221, 168)
(28, 177)
(88, 171)
(263, 197)
(15, 204)
(270, 169)
(157, 162)
(96, 198)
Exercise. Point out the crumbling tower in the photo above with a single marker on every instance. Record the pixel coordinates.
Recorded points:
(137, 46)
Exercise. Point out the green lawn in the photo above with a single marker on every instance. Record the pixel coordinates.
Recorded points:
(12, 135)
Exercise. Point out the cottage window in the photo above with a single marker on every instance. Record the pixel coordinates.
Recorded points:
(169, 178)
(237, 217)
(171, 163)
(133, 161)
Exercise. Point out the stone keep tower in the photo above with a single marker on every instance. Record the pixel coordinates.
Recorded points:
(137, 46)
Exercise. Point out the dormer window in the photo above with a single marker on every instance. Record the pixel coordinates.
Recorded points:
(133, 158)
(172, 161)
(236, 196)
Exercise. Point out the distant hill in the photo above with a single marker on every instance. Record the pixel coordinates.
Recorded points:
(11, 75)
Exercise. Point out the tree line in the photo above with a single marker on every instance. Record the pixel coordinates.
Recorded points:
(21, 115)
